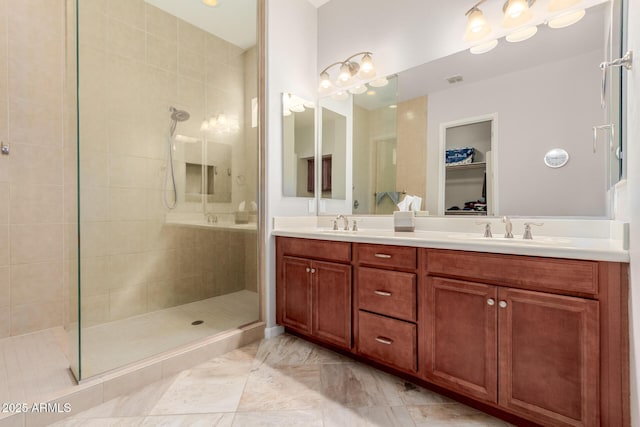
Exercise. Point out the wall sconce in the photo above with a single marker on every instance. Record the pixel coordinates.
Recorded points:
(348, 71)
(516, 13)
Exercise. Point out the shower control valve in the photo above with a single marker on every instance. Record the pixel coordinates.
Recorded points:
(4, 148)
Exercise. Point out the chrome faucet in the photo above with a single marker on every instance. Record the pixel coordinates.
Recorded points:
(527, 229)
(345, 222)
(508, 227)
(487, 228)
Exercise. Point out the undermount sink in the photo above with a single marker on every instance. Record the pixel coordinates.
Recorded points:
(537, 240)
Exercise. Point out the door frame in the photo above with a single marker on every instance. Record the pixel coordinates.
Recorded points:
(492, 162)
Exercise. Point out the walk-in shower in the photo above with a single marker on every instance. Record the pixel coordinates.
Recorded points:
(152, 273)
(170, 176)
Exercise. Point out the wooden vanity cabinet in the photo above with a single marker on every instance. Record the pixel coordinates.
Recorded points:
(535, 354)
(313, 295)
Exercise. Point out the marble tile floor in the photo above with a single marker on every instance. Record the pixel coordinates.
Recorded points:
(284, 381)
(108, 346)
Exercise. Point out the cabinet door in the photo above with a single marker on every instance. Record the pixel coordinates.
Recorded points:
(460, 331)
(331, 288)
(294, 302)
(548, 351)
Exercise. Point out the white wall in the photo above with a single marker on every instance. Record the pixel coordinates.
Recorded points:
(523, 141)
(633, 191)
(291, 67)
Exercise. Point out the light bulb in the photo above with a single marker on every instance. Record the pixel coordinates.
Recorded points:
(297, 108)
(484, 47)
(477, 26)
(204, 126)
(325, 82)
(345, 73)
(522, 35)
(367, 71)
(516, 13)
(212, 3)
(566, 19)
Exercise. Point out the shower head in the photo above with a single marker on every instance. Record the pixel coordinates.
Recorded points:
(179, 115)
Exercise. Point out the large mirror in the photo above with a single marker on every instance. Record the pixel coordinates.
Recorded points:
(334, 154)
(512, 106)
(299, 146)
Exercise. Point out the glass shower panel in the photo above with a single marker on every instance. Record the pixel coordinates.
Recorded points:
(167, 185)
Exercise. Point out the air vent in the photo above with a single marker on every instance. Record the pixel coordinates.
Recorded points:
(454, 79)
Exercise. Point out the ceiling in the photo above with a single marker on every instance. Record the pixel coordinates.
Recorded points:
(318, 3)
(232, 20)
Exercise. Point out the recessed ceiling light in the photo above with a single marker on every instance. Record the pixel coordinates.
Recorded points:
(484, 47)
(371, 92)
(393, 106)
(522, 35)
(566, 19)
(357, 90)
(212, 3)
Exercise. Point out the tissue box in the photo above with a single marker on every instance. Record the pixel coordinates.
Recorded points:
(403, 221)
(459, 156)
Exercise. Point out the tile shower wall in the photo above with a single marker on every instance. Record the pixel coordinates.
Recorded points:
(135, 62)
(32, 190)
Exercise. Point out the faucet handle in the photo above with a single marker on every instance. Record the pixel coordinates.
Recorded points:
(355, 226)
(335, 224)
(527, 229)
(487, 228)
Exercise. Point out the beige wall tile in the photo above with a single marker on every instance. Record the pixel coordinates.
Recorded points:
(130, 11)
(191, 64)
(5, 321)
(191, 92)
(94, 169)
(216, 49)
(125, 40)
(70, 249)
(95, 309)
(37, 282)
(127, 138)
(4, 245)
(161, 295)
(127, 271)
(33, 164)
(191, 38)
(36, 204)
(127, 204)
(161, 24)
(95, 276)
(128, 237)
(37, 84)
(5, 287)
(94, 239)
(4, 203)
(33, 317)
(92, 23)
(127, 302)
(162, 88)
(127, 172)
(162, 53)
(94, 204)
(36, 242)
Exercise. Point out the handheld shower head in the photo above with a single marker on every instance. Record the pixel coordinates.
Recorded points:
(179, 115)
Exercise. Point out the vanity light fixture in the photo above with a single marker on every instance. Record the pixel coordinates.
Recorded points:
(566, 19)
(211, 3)
(221, 124)
(522, 35)
(559, 5)
(484, 47)
(517, 13)
(350, 70)
(477, 25)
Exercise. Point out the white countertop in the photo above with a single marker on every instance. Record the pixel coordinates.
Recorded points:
(600, 240)
(224, 221)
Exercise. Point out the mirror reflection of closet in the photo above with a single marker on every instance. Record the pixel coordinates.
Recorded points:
(207, 172)
(298, 141)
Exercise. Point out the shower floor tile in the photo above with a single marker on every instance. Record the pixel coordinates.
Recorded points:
(33, 366)
(114, 344)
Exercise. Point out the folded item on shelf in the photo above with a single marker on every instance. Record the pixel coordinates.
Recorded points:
(459, 156)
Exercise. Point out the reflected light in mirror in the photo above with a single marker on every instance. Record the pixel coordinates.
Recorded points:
(212, 3)
(566, 19)
(484, 47)
(477, 26)
(516, 13)
(558, 5)
(521, 35)
(357, 90)
(381, 82)
(341, 95)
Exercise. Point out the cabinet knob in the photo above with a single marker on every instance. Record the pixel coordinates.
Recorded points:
(382, 293)
(308, 270)
(383, 340)
(313, 270)
(491, 301)
(502, 304)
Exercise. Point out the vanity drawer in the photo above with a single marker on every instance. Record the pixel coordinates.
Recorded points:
(314, 249)
(390, 341)
(400, 257)
(391, 293)
(544, 274)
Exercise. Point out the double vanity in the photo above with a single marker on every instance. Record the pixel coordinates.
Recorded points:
(533, 331)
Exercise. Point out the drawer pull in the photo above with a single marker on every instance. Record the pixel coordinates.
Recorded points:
(383, 340)
(382, 293)
(385, 256)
